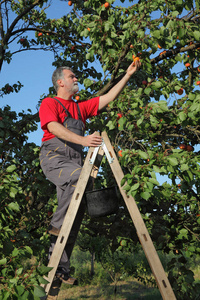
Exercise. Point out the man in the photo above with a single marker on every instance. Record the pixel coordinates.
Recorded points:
(63, 123)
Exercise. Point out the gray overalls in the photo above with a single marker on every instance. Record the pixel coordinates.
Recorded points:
(61, 163)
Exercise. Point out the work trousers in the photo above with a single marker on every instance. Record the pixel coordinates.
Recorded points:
(62, 166)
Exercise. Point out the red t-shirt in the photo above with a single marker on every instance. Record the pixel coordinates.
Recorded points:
(51, 110)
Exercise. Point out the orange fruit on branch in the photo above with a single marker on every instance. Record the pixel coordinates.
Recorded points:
(182, 146)
(144, 82)
(187, 65)
(120, 153)
(119, 116)
(180, 91)
(107, 5)
(136, 59)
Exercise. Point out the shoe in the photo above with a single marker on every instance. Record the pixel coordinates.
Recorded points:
(53, 230)
(65, 278)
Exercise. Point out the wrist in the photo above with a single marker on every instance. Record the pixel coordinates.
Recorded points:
(82, 140)
(127, 75)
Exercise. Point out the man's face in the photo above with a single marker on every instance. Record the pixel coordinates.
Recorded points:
(70, 82)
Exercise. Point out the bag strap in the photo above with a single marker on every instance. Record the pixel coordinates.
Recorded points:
(67, 112)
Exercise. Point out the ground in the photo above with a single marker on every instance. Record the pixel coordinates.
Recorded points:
(126, 290)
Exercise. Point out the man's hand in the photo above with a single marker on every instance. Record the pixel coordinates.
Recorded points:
(133, 67)
(91, 140)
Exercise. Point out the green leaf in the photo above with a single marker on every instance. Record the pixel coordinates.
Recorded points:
(11, 168)
(171, 24)
(42, 280)
(156, 169)
(25, 296)
(191, 96)
(153, 120)
(110, 125)
(156, 34)
(135, 186)
(39, 291)
(15, 252)
(121, 123)
(3, 261)
(154, 181)
(28, 249)
(191, 177)
(196, 35)
(140, 121)
(14, 206)
(109, 42)
(43, 270)
(145, 195)
(175, 13)
(183, 234)
(143, 154)
(184, 167)
(157, 84)
(173, 161)
(123, 181)
(20, 290)
(181, 32)
(127, 187)
(147, 91)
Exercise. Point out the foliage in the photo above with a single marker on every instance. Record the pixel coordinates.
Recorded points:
(160, 114)
(21, 213)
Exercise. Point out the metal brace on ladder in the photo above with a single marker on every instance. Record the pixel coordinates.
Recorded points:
(107, 153)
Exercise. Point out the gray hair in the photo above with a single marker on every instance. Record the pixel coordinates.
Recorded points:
(58, 74)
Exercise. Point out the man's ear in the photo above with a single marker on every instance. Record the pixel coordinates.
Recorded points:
(60, 82)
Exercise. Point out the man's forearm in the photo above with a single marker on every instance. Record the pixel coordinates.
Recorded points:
(63, 133)
(116, 90)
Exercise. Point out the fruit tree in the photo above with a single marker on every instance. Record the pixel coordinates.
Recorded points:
(158, 109)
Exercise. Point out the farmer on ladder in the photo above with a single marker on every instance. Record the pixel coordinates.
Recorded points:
(63, 123)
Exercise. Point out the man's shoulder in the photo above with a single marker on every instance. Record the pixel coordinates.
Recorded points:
(88, 101)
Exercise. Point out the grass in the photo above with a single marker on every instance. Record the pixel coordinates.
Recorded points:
(126, 290)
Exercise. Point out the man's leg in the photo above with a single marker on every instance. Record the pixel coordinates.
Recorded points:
(63, 270)
(64, 195)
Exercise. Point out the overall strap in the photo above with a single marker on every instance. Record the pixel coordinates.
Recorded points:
(66, 111)
(79, 112)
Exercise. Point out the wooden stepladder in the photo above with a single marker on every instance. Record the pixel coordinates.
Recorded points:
(90, 168)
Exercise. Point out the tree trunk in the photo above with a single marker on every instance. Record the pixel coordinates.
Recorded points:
(92, 263)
